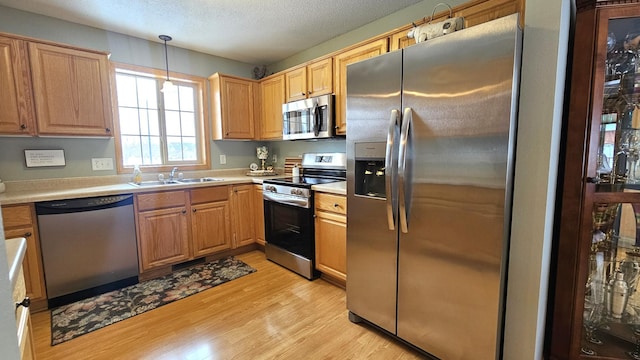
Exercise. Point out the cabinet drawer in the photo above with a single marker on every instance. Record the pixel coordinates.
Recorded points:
(18, 215)
(209, 194)
(330, 202)
(160, 200)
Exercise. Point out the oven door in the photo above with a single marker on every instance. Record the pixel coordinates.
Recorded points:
(290, 228)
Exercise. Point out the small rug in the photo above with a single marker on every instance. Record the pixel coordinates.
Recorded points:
(84, 316)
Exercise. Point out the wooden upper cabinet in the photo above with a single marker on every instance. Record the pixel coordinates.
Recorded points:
(490, 10)
(340, 62)
(473, 14)
(296, 84)
(17, 115)
(314, 79)
(273, 97)
(232, 107)
(400, 40)
(71, 91)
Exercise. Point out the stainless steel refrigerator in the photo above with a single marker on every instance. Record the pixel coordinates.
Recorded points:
(430, 157)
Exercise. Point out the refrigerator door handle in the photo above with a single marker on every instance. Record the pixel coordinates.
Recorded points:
(407, 118)
(394, 123)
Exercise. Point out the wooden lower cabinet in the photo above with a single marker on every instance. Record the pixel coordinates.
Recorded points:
(242, 214)
(210, 220)
(177, 226)
(331, 235)
(163, 237)
(258, 202)
(20, 221)
(23, 319)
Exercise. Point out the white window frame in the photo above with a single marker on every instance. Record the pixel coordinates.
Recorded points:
(202, 122)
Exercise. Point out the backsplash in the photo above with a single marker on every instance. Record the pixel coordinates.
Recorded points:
(78, 153)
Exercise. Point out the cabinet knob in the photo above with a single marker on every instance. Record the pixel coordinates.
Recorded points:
(25, 302)
(194, 210)
(27, 234)
(336, 205)
(23, 126)
(184, 211)
(303, 94)
(107, 130)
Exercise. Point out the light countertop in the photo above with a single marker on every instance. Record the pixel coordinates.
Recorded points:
(16, 248)
(339, 187)
(18, 192)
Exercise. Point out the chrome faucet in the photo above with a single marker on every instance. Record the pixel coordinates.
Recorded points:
(173, 172)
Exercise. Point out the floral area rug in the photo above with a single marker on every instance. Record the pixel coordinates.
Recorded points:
(72, 320)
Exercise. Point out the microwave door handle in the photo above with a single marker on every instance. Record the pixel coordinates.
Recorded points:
(388, 168)
(316, 123)
(403, 173)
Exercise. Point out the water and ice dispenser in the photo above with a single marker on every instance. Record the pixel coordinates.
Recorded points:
(370, 169)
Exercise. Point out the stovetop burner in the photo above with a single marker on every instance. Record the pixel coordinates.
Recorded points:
(302, 181)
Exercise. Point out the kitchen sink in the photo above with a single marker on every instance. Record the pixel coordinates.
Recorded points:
(198, 180)
(175, 182)
(155, 183)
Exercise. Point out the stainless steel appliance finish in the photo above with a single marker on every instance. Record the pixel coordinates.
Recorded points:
(311, 118)
(430, 146)
(288, 212)
(88, 246)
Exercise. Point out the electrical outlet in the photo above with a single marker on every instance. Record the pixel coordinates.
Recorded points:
(98, 164)
(223, 159)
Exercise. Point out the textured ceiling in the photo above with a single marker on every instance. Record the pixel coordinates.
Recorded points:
(254, 32)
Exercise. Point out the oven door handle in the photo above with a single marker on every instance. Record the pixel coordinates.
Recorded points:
(286, 200)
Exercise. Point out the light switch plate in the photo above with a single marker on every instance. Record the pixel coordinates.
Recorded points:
(98, 164)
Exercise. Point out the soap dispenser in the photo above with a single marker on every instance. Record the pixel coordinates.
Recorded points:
(137, 175)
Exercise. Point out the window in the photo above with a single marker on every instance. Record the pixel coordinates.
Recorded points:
(155, 129)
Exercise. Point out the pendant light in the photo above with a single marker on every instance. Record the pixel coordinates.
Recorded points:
(168, 85)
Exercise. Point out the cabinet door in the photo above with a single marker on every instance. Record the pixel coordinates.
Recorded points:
(17, 116)
(258, 202)
(163, 237)
(273, 97)
(331, 244)
(232, 102)
(71, 91)
(490, 10)
(400, 40)
(210, 228)
(296, 84)
(320, 77)
(340, 62)
(242, 215)
(32, 263)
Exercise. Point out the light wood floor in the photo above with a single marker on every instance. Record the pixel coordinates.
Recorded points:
(270, 314)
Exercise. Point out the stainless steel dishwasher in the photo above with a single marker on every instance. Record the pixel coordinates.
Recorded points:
(88, 246)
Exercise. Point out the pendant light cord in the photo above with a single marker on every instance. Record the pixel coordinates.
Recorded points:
(166, 55)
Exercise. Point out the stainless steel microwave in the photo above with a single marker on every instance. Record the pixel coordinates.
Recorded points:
(311, 118)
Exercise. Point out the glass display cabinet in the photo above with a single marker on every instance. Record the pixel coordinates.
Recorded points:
(595, 303)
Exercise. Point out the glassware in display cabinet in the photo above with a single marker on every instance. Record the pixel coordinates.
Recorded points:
(611, 311)
(619, 143)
